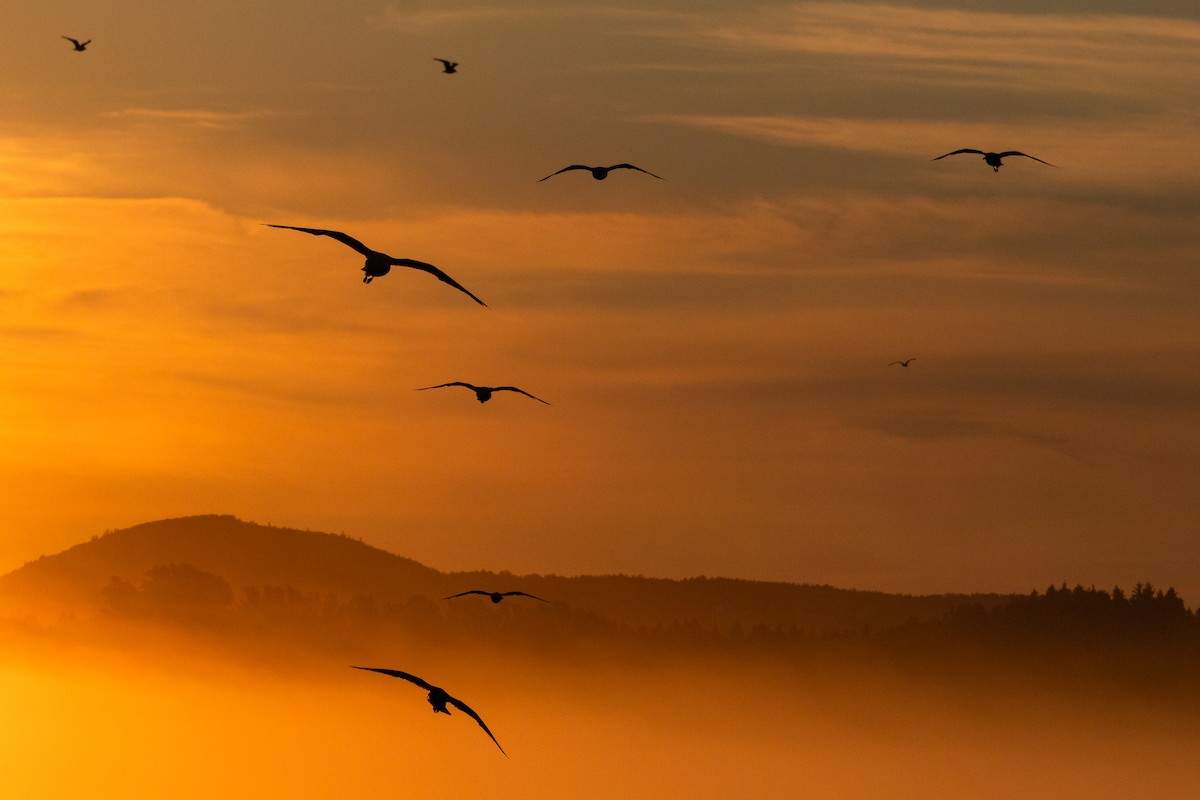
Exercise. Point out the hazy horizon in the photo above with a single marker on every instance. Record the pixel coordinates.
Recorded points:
(716, 346)
(178, 682)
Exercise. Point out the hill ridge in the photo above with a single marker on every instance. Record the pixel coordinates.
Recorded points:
(251, 555)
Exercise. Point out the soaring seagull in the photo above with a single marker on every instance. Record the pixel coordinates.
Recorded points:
(600, 173)
(438, 698)
(483, 393)
(993, 159)
(448, 67)
(903, 363)
(79, 46)
(495, 596)
(379, 264)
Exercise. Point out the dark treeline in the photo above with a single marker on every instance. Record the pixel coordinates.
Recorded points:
(1131, 637)
(259, 593)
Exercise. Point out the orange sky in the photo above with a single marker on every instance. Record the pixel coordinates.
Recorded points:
(715, 346)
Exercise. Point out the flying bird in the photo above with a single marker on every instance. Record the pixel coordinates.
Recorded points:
(903, 363)
(600, 173)
(79, 46)
(438, 698)
(993, 159)
(448, 67)
(495, 596)
(379, 264)
(483, 393)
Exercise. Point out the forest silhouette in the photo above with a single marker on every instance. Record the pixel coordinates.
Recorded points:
(255, 592)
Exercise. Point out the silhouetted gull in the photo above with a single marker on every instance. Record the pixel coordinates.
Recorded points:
(379, 264)
(438, 698)
(905, 362)
(79, 46)
(993, 159)
(448, 67)
(483, 393)
(495, 596)
(600, 173)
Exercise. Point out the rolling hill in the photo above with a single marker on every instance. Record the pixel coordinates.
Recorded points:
(252, 556)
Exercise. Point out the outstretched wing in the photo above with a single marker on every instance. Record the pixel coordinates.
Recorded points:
(437, 273)
(956, 152)
(515, 389)
(1008, 153)
(466, 709)
(74, 41)
(443, 386)
(472, 591)
(395, 673)
(639, 169)
(524, 594)
(564, 169)
(341, 237)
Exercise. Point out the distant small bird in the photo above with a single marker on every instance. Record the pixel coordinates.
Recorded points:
(438, 698)
(904, 363)
(448, 67)
(483, 393)
(379, 264)
(495, 596)
(993, 159)
(79, 46)
(600, 173)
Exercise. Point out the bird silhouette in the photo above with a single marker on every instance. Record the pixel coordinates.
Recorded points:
(903, 363)
(993, 159)
(438, 698)
(448, 67)
(600, 173)
(79, 46)
(495, 596)
(483, 393)
(379, 264)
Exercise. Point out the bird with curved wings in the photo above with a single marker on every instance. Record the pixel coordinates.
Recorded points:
(496, 597)
(438, 698)
(600, 173)
(448, 67)
(483, 393)
(78, 45)
(903, 363)
(993, 160)
(379, 264)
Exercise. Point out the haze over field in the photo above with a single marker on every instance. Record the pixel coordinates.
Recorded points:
(231, 680)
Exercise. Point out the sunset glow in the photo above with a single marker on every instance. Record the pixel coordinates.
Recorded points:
(716, 347)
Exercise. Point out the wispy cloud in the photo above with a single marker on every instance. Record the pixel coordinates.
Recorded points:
(1134, 148)
(413, 16)
(193, 117)
(934, 428)
(948, 36)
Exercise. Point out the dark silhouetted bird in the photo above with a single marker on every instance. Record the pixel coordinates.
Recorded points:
(379, 264)
(600, 173)
(495, 596)
(448, 67)
(903, 363)
(483, 393)
(993, 159)
(79, 46)
(438, 698)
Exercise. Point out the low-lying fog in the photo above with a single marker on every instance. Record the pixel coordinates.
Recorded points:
(170, 720)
